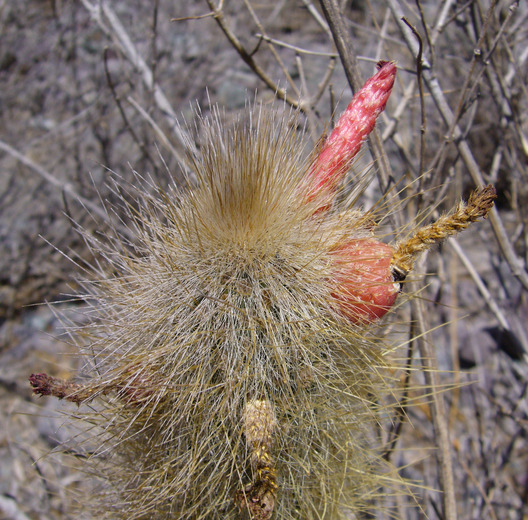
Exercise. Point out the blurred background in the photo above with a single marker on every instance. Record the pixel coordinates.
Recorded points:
(92, 91)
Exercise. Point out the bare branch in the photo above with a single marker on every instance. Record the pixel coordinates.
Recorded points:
(486, 295)
(248, 59)
(273, 51)
(103, 12)
(62, 186)
(439, 419)
(433, 84)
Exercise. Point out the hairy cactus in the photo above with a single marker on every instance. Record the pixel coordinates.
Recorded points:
(232, 364)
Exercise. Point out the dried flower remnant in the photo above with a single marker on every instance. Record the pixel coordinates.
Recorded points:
(43, 384)
(407, 251)
(260, 496)
(233, 365)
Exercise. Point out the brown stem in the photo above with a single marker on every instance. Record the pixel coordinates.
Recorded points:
(248, 58)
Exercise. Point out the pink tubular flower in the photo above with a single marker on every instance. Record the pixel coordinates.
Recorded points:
(353, 127)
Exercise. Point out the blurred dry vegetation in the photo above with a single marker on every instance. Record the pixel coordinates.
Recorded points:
(91, 87)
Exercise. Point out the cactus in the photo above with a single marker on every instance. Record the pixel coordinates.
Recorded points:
(233, 363)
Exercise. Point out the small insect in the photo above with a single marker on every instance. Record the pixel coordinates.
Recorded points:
(230, 354)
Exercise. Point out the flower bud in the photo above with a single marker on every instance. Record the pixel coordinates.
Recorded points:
(365, 289)
(353, 127)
